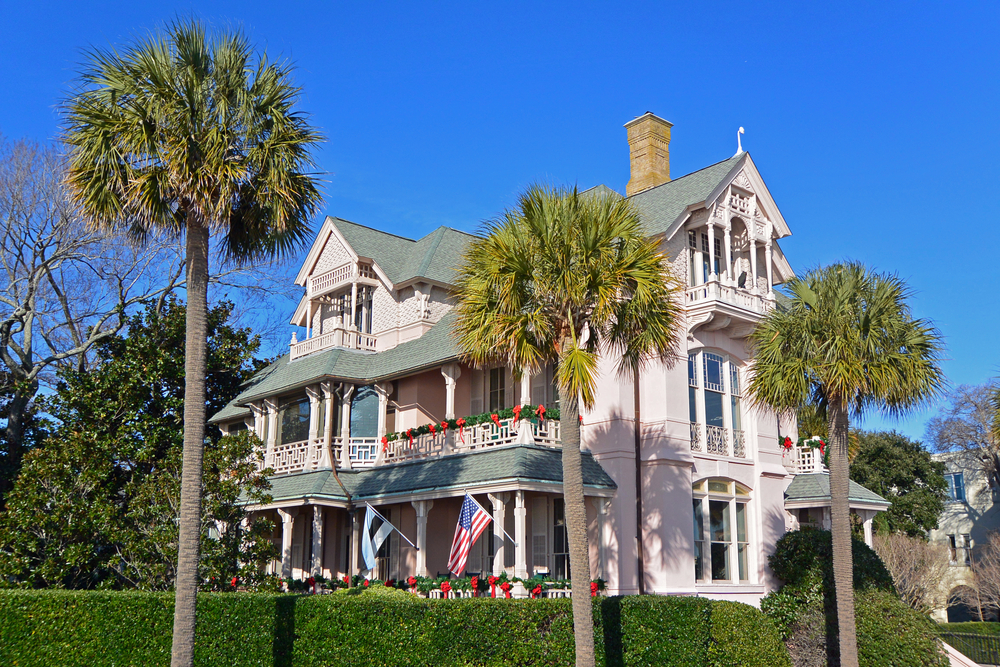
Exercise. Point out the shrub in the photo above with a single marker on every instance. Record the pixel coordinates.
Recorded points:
(378, 626)
(803, 559)
(972, 627)
(744, 637)
(891, 634)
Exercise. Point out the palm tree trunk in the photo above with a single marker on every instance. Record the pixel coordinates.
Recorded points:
(185, 600)
(843, 568)
(576, 529)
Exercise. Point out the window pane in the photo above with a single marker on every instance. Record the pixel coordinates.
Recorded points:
(744, 569)
(498, 382)
(959, 486)
(364, 413)
(699, 535)
(719, 521)
(294, 421)
(713, 409)
(699, 520)
(737, 415)
(715, 486)
(699, 561)
(741, 522)
(693, 370)
(720, 561)
(713, 372)
(734, 379)
(693, 404)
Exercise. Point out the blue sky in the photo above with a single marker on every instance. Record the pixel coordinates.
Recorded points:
(874, 125)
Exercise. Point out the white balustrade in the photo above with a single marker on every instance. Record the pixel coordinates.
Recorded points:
(363, 451)
(337, 338)
(739, 445)
(294, 456)
(695, 437)
(803, 460)
(733, 295)
(325, 282)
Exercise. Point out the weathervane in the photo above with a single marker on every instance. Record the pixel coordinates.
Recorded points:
(739, 144)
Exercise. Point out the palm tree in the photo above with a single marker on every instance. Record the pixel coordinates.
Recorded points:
(564, 278)
(848, 343)
(189, 135)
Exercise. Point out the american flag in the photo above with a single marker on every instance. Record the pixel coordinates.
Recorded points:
(472, 521)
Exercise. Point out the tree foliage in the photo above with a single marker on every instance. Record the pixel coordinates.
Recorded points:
(96, 504)
(901, 471)
(969, 422)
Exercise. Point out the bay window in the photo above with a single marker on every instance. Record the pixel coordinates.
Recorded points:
(714, 405)
(721, 536)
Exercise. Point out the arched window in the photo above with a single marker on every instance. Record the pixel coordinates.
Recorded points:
(721, 531)
(715, 405)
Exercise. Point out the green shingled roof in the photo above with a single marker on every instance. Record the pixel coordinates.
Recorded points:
(524, 463)
(231, 412)
(662, 205)
(434, 257)
(433, 348)
(816, 486)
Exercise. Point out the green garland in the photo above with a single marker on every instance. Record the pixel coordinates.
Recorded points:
(527, 412)
(427, 584)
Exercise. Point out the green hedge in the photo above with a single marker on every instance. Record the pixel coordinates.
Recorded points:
(891, 634)
(971, 627)
(379, 627)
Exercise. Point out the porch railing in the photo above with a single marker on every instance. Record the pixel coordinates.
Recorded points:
(718, 440)
(736, 296)
(354, 340)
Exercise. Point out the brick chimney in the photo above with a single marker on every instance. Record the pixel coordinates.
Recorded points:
(649, 152)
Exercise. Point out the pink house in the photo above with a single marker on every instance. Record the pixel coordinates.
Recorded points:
(687, 485)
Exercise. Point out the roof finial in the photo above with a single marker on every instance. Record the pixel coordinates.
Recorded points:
(739, 144)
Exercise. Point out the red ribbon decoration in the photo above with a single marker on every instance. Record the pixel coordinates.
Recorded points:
(540, 411)
(536, 591)
(366, 583)
(786, 443)
(593, 589)
(385, 443)
(412, 581)
(505, 587)
(580, 417)
(409, 433)
(475, 587)
(517, 412)
(496, 419)
(444, 426)
(822, 448)
(493, 586)
(461, 428)
(235, 581)
(433, 432)
(445, 588)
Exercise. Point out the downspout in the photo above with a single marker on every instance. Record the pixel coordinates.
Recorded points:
(638, 485)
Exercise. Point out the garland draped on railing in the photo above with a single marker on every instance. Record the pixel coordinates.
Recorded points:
(533, 413)
(482, 586)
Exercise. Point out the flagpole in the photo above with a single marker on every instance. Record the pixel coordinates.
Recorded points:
(379, 515)
(491, 518)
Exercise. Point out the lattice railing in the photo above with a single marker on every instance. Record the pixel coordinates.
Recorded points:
(695, 437)
(717, 440)
(326, 282)
(739, 444)
(337, 338)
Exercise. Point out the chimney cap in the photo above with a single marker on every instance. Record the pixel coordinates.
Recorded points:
(649, 115)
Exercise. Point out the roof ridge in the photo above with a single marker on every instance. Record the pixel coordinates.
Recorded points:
(681, 178)
(380, 231)
(429, 255)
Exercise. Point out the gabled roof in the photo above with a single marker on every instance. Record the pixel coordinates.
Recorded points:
(434, 257)
(434, 348)
(517, 463)
(663, 205)
(815, 487)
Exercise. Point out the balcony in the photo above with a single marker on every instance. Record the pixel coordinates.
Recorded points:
(735, 296)
(370, 452)
(718, 441)
(339, 337)
(341, 276)
(803, 460)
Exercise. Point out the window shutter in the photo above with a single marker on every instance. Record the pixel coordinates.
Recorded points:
(540, 534)
(508, 394)
(477, 392)
(538, 383)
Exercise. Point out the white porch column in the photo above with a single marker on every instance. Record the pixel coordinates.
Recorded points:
(699, 260)
(383, 390)
(317, 542)
(314, 396)
(354, 300)
(345, 427)
(753, 256)
(520, 535)
(271, 438)
(770, 275)
(326, 438)
(526, 387)
(602, 505)
(728, 242)
(287, 525)
(499, 501)
(712, 275)
(451, 373)
(866, 518)
(423, 507)
(356, 520)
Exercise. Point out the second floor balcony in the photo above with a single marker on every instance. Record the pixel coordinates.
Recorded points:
(359, 453)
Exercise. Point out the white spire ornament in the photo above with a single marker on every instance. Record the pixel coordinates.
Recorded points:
(739, 144)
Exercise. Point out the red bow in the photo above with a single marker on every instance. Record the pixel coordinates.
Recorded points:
(536, 591)
(593, 589)
(445, 587)
(517, 412)
(433, 431)
(412, 581)
(505, 587)
(461, 428)
(496, 419)
(366, 583)
(444, 426)
(409, 433)
(540, 411)
(385, 443)
(786, 443)
(235, 581)
(475, 587)
(493, 586)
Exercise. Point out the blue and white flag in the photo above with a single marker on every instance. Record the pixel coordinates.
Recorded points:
(370, 544)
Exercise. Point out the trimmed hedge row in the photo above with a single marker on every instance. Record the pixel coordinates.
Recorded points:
(971, 627)
(379, 627)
